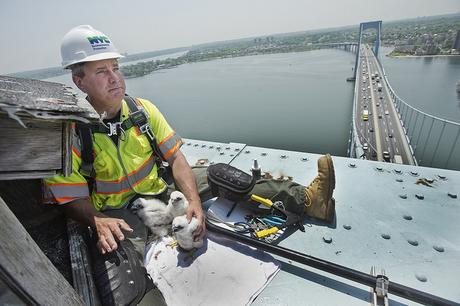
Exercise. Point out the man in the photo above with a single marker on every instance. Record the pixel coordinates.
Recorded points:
(92, 58)
(123, 162)
(124, 166)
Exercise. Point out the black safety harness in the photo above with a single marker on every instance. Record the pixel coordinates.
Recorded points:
(137, 118)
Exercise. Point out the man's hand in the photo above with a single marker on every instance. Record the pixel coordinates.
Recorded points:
(195, 210)
(108, 230)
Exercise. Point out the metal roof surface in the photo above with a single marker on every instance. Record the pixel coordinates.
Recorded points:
(383, 219)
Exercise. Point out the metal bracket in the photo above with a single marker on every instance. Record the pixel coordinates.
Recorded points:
(380, 291)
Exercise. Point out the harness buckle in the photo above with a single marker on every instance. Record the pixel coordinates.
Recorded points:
(140, 119)
(113, 128)
(145, 129)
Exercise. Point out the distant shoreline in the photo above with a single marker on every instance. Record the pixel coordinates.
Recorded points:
(420, 56)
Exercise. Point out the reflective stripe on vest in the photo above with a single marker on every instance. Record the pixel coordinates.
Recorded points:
(123, 184)
(170, 144)
(78, 190)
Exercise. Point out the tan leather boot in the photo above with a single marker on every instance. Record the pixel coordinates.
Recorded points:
(319, 202)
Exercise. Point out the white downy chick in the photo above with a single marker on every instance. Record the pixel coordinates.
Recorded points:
(183, 232)
(177, 204)
(154, 214)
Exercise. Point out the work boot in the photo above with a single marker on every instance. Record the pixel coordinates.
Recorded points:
(319, 202)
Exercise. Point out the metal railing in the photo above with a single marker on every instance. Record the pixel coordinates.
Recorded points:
(434, 142)
(355, 148)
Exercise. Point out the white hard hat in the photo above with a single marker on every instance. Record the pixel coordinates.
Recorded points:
(85, 44)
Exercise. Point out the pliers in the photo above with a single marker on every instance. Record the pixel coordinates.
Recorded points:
(291, 218)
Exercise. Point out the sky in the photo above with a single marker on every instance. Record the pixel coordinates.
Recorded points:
(32, 30)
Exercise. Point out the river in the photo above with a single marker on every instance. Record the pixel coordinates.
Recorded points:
(294, 101)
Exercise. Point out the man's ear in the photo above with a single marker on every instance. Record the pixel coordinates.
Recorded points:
(79, 82)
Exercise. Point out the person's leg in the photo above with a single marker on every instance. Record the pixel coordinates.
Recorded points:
(316, 199)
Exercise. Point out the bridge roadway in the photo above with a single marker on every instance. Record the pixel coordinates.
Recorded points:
(382, 135)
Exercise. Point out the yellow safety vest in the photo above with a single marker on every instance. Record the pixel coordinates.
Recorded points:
(121, 171)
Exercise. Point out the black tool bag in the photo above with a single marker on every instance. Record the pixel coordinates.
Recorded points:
(229, 182)
(120, 277)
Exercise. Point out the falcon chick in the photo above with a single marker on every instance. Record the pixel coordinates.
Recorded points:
(177, 204)
(183, 232)
(154, 214)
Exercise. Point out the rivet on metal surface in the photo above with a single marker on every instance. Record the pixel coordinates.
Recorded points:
(442, 177)
(413, 173)
(188, 143)
(211, 147)
(221, 153)
(429, 180)
(227, 148)
(195, 145)
(304, 159)
(413, 242)
(379, 169)
(397, 171)
(386, 236)
(421, 277)
(407, 217)
(399, 180)
(438, 248)
(131, 283)
(327, 239)
(237, 149)
(452, 195)
(352, 165)
(347, 227)
(232, 155)
(247, 151)
(403, 196)
(263, 154)
(283, 156)
(203, 146)
(419, 196)
(211, 163)
(218, 147)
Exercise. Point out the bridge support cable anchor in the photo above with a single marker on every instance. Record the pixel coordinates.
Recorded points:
(330, 267)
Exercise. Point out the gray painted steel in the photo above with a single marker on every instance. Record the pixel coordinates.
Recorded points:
(374, 201)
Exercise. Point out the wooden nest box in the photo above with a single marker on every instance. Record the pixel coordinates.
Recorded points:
(35, 127)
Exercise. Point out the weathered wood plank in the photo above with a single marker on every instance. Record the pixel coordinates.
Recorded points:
(27, 270)
(26, 175)
(67, 151)
(39, 147)
(81, 266)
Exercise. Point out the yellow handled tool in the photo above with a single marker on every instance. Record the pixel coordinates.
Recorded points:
(266, 232)
(261, 200)
(268, 203)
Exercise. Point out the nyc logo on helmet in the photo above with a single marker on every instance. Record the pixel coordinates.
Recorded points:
(99, 42)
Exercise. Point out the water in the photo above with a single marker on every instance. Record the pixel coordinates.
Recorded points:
(294, 101)
(426, 83)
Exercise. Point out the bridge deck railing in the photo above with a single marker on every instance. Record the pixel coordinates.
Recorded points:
(355, 148)
(434, 141)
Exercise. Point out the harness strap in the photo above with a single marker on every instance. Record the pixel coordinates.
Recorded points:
(137, 117)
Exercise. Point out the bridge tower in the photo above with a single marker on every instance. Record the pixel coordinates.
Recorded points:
(364, 26)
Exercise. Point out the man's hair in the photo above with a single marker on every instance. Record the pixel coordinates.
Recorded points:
(77, 69)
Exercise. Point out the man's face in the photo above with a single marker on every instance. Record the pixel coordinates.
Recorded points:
(102, 81)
